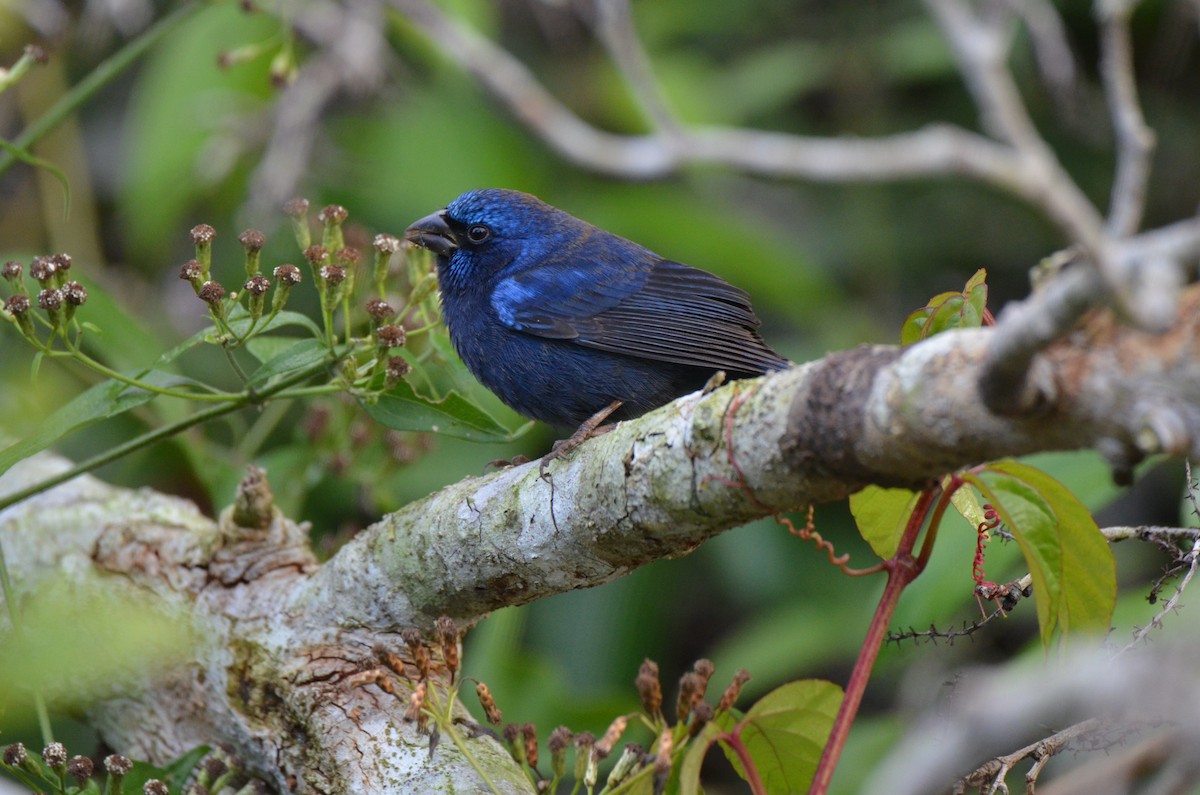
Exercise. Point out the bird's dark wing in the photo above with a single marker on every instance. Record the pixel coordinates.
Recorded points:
(652, 309)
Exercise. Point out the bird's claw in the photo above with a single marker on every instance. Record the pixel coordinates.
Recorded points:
(505, 463)
(592, 426)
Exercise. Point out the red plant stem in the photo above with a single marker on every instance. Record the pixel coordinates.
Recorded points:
(734, 741)
(902, 569)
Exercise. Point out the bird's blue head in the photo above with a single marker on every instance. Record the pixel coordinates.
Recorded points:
(485, 232)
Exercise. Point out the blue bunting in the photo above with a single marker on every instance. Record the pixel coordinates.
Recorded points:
(560, 318)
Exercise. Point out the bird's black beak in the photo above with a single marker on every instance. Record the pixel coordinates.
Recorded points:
(432, 232)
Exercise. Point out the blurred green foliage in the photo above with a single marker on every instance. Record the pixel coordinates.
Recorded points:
(178, 141)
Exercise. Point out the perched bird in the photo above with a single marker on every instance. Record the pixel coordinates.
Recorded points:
(567, 323)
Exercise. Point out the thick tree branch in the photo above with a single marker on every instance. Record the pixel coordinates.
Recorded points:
(282, 635)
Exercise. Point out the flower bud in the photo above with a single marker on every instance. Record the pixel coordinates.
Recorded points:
(397, 368)
(117, 765)
(615, 729)
(287, 276)
(529, 734)
(448, 635)
(512, 736)
(256, 287)
(51, 301)
(202, 237)
(730, 697)
(17, 307)
(557, 744)
(252, 241)
(80, 768)
(191, 271)
(690, 693)
(15, 754)
(385, 246)
(12, 274)
(649, 688)
(297, 210)
(390, 336)
(55, 756)
(584, 742)
(488, 703)
(42, 269)
(333, 216)
(626, 762)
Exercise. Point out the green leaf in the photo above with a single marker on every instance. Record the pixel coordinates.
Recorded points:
(239, 325)
(881, 515)
(402, 409)
(1074, 575)
(104, 400)
(295, 356)
(947, 311)
(968, 506)
(786, 731)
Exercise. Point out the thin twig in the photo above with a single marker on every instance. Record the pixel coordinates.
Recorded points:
(616, 31)
(1135, 140)
(1193, 562)
(990, 775)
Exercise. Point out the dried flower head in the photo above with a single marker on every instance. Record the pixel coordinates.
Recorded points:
(252, 240)
(316, 256)
(333, 274)
(391, 336)
(257, 285)
(386, 244)
(416, 705)
(42, 269)
(347, 256)
(50, 300)
(55, 755)
(203, 234)
(287, 274)
(557, 745)
(704, 669)
(448, 636)
(606, 743)
(212, 293)
(296, 208)
(117, 765)
(11, 271)
(17, 305)
(488, 703)
(529, 734)
(379, 309)
(691, 690)
(80, 768)
(649, 687)
(397, 368)
(74, 293)
(191, 271)
(155, 787)
(730, 697)
(333, 213)
(420, 654)
(62, 261)
(14, 755)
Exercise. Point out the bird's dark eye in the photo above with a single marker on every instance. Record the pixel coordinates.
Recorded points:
(478, 233)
